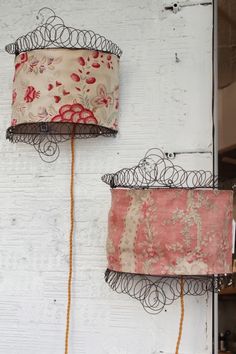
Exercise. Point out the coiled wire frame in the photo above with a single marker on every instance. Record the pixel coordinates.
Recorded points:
(154, 293)
(46, 137)
(156, 170)
(53, 33)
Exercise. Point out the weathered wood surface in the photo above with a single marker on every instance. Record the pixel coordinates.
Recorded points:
(164, 104)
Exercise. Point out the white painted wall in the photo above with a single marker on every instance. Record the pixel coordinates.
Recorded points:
(163, 104)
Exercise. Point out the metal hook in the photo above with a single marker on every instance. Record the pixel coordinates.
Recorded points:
(175, 7)
(170, 155)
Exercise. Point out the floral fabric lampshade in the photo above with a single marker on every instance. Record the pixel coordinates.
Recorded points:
(66, 86)
(63, 84)
(166, 223)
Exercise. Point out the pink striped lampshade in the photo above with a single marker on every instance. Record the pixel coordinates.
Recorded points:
(170, 232)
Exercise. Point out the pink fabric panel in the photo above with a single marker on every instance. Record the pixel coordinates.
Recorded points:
(116, 226)
(170, 232)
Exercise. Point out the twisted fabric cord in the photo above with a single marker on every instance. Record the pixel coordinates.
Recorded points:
(70, 241)
(182, 315)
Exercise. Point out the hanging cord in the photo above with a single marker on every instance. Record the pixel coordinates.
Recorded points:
(182, 315)
(70, 241)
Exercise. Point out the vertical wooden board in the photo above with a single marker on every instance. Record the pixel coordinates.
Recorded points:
(164, 104)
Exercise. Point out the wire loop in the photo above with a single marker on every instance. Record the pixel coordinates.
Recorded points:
(53, 33)
(156, 170)
(45, 137)
(155, 293)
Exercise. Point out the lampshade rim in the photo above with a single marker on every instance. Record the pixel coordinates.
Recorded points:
(65, 48)
(10, 129)
(166, 188)
(26, 43)
(174, 275)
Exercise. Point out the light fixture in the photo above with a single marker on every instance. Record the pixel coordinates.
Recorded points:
(169, 233)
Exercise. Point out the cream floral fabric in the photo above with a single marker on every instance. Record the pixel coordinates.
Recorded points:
(170, 232)
(63, 85)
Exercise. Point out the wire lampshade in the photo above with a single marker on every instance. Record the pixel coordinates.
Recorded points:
(166, 223)
(65, 80)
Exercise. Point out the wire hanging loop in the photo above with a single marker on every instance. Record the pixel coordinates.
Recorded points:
(43, 16)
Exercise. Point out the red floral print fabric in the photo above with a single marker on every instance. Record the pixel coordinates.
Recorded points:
(170, 232)
(61, 85)
(31, 94)
(75, 113)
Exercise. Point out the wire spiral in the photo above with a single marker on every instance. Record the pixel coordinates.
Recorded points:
(155, 170)
(45, 138)
(155, 293)
(52, 33)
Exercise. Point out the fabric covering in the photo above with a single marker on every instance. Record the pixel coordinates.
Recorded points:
(64, 85)
(170, 232)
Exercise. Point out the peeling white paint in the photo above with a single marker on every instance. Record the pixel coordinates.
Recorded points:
(165, 104)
